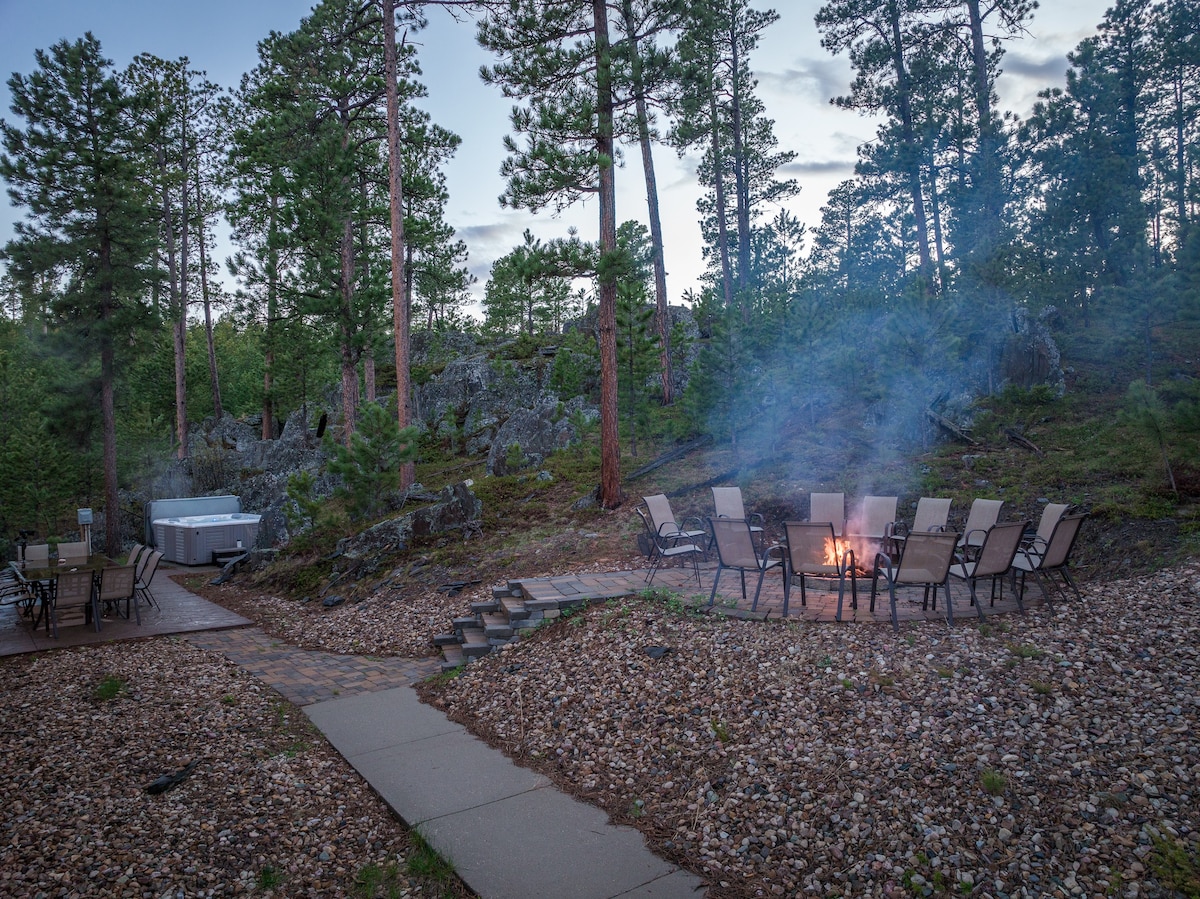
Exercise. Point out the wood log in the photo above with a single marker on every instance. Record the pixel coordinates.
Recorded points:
(677, 453)
(947, 425)
(1022, 441)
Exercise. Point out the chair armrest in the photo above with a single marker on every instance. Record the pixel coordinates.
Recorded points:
(783, 554)
(755, 517)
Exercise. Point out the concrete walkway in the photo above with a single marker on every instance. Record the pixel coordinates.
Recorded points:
(508, 832)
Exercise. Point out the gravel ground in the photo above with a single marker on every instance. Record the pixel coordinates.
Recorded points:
(1052, 754)
(269, 808)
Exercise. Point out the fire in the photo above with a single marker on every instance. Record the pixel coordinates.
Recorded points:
(835, 549)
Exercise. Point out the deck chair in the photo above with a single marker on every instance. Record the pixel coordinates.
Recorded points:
(37, 555)
(983, 514)
(829, 507)
(118, 585)
(665, 525)
(664, 547)
(810, 545)
(874, 521)
(993, 560)
(727, 501)
(737, 549)
(1054, 558)
(925, 563)
(73, 552)
(933, 514)
(71, 590)
(143, 578)
(135, 553)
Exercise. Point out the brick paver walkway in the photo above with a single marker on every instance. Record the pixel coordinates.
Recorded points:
(304, 676)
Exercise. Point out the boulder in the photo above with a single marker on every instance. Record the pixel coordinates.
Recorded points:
(530, 435)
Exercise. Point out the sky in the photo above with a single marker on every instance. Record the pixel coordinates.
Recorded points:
(796, 79)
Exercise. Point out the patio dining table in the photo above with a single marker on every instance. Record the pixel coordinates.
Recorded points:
(40, 580)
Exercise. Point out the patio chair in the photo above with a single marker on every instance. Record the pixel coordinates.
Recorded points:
(829, 507)
(737, 549)
(1054, 558)
(73, 552)
(662, 519)
(983, 514)
(925, 563)
(664, 548)
(71, 590)
(873, 522)
(117, 585)
(993, 560)
(143, 578)
(810, 545)
(135, 554)
(1036, 544)
(37, 555)
(727, 501)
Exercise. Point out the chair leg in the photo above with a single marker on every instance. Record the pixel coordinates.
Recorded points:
(892, 600)
(974, 598)
(712, 597)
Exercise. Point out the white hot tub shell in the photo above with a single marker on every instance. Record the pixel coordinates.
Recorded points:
(192, 539)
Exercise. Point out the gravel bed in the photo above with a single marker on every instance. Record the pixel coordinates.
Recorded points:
(268, 807)
(1051, 754)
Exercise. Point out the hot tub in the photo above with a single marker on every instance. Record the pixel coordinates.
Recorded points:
(192, 539)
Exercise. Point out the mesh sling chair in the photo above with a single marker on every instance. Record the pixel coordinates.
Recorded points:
(662, 548)
(813, 551)
(925, 563)
(738, 550)
(1055, 557)
(665, 525)
(830, 507)
(993, 560)
(143, 577)
(983, 514)
(117, 585)
(71, 590)
(873, 522)
(727, 503)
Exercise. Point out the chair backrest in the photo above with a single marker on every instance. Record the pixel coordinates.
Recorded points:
(810, 547)
(1050, 516)
(146, 575)
(73, 551)
(933, 513)
(984, 513)
(1062, 540)
(829, 507)
(134, 554)
(999, 548)
(37, 555)
(73, 588)
(875, 515)
(735, 543)
(661, 515)
(117, 582)
(927, 557)
(728, 502)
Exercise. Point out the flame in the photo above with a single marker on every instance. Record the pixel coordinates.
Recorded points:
(835, 549)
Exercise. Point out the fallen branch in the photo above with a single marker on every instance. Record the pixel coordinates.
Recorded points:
(671, 456)
(1021, 441)
(947, 425)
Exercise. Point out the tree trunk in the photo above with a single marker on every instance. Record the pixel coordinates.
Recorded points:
(400, 307)
(268, 403)
(740, 176)
(662, 318)
(610, 447)
(349, 356)
(178, 311)
(108, 417)
(904, 96)
(719, 201)
(214, 382)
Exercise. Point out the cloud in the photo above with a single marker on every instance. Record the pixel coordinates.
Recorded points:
(1044, 70)
(817, 167)
(818, 79)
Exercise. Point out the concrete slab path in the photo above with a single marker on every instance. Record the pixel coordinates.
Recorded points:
(509, 833)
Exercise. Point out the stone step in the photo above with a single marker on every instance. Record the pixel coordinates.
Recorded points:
(446, 640)
(496, 625)
(514, 609)
(464, 622)
(485, 606)
(452, 657)
(475, 643)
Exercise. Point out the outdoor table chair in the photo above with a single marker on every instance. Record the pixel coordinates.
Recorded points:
(665, 524)
(117, 585)
(813, 551)
(72, 589)
(73, 552)
(738, 550)
(873, 522)
(925, 563)
(1036, 544)
(148, 566)
(37, 555)
(983, 514)
(993, 560)
(932, 514)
